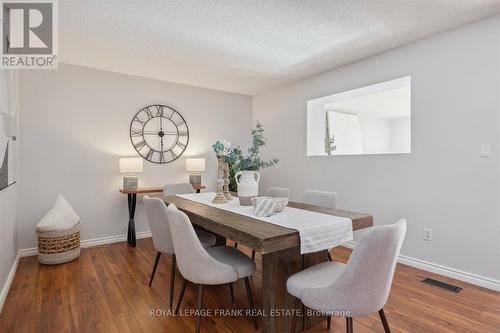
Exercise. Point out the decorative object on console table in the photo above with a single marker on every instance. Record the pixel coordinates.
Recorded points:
(130, 166)
(221, 149)
(195, 166)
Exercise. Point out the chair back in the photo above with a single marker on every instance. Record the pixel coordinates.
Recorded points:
(156, 212)
(281, 192)
(181, 188)
(364, 286)
(320, 198)
(194, 262)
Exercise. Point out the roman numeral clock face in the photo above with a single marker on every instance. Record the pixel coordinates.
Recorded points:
(159, 134)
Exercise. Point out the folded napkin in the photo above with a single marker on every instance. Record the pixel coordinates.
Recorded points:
(265, 207)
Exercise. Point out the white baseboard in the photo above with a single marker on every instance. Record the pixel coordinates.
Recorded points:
(453, 273)
(8, 282)
(33, 251)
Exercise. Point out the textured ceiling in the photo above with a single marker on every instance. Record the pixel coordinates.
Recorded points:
(247, 46)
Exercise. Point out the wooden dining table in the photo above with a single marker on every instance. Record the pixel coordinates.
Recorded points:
(279, 247)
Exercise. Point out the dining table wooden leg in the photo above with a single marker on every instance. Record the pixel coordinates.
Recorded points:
(276, 268)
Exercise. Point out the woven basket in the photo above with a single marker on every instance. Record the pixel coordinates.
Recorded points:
(57, 247)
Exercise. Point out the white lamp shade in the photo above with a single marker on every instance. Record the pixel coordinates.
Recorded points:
(130, 164)
(195, 164)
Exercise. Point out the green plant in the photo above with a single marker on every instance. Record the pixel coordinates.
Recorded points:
(329, 139)
(222, 147)
(251, 162)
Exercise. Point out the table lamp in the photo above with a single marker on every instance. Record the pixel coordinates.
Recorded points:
(195, 166)
(129, 166)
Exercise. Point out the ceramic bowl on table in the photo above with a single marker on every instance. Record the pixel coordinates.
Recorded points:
(280, 203)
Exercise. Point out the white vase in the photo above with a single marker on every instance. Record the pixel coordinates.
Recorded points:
(248, 186)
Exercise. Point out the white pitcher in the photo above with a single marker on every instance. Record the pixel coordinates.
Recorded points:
(248, 186)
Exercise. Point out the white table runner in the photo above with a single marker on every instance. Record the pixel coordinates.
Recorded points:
(317, 231)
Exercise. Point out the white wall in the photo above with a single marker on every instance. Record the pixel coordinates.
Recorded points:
(400, 140)
(375, 134)
(347, 130)
(8, 204)
(316, 128)
(75, 124)
(443, 184)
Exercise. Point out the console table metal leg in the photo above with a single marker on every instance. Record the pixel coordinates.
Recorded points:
(132, 198)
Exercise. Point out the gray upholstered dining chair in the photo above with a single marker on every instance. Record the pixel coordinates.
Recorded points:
(156, 212)
(321, 199)
(281, 192)
(181, 188)
(360, 287)
(206, 266)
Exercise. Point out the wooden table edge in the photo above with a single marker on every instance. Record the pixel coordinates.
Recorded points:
(275, 243)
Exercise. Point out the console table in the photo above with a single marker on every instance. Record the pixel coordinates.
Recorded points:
(132, 200)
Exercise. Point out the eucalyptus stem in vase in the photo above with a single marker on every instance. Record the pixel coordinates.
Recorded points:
(251, 161)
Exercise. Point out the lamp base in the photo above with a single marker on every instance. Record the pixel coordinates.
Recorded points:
(130, 182)
(195, 179)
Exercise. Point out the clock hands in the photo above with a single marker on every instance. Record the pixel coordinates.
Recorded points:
(149, 133)
(159, 133)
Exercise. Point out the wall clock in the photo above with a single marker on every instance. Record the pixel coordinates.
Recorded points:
(159, 133)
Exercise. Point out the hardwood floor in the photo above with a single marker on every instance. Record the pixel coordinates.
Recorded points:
(106, 290)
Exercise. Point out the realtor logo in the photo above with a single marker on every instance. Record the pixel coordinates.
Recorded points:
(29, 34)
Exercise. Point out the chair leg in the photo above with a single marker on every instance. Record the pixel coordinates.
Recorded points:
(157, 260)
(200, 305)
(172, 280)
(231, 290)
(235, 244)
(253, 254)
(328, 322)
(304, 317)
(181, 295)
(330, 257)
(349, 327)
(250, 301)
(384, 321)
(294, 318)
